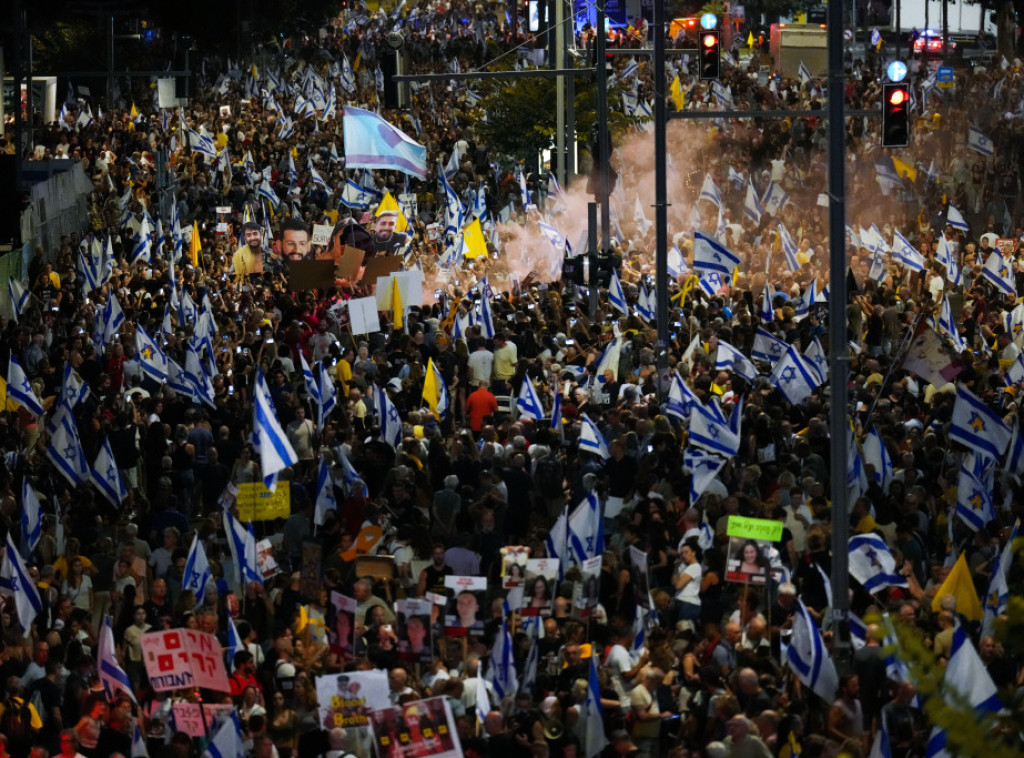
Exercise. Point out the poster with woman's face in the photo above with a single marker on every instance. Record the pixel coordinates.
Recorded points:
(539, 588)
(414, 638)
(748, 560)
(513, 566)
(343, 631)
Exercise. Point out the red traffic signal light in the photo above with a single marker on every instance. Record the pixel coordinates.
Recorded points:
(895, 115)
(710, 64)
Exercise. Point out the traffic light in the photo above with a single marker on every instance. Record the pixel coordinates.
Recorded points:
(895, 115)
(710, 54)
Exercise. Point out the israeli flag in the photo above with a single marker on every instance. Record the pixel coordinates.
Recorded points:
(591, 440)
(552, 235)
(977, 427)
(15, 582)
(767, 306)
(586, 537)
(710, 256)
(390, 421)
(709, 429)
(804, 74)
(808, 658)
(201, 144)
(312, 388)
(728, 358)
(348, 77)
(111, 675)
(710, 283)
(793, 377)
(680, 398)
(979, 142)
(998, 593)
(752, 207)
(227, 742)
(242, 543)
(528, 404)
(775, 198)
(975, 485)
(31, 518)
(20, 389)
(709, 191)
(197, 570)
(502, 671)
(556, 544)
(876, 38)
(106, 476)
(872, 564)
(591, 715)
(328, 393)
(152, 359)
(789, 248)
(357, 197)
(877, 454)
(371, 142)
(956, 219)
(645, 306)
(616, 296)
(325, 500)
(486, 320)
(704, 468)
(276, 452)
(138, 744)
(906, 253)
(142, 243)
(19, 295)
(999, 273)
(65, 451)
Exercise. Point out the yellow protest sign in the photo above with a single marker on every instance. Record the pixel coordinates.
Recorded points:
(257, 503)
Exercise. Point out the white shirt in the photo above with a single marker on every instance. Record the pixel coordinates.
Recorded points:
(481, 363)
(690, 593)
(619, 661)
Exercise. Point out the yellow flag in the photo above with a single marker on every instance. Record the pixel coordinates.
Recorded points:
(7, 404)
(247, 215)
(960, 585)
(431, 392)
(303, 618)
(194, 246)
(357, 61)
(904, 169)
(255, 72)
(396, 304)
(474, 238)
(678, 95)
(135, 112)
(750, 40)
(390, 205)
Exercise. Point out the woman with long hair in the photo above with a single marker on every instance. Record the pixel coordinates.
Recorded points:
(78, 586)
(282, 726)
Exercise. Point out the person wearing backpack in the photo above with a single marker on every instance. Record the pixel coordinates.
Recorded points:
(19, 720)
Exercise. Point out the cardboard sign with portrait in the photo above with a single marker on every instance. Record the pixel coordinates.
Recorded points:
(586, 594)
(748, 561)
(414, 629)
(423, 727)
(639, 578)
(348, 699)
(513, 565)
(342, 632)
(541, 583)
(464, 614)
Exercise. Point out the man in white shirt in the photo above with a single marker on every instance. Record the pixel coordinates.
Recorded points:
(622, 665)
(481, 363)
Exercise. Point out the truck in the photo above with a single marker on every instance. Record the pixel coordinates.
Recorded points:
(964, 20)
(791, 44)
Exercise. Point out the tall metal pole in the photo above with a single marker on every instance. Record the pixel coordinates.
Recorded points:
(604, 143)
(18, 70)
(559, 61)
(660, 190)
(570, 117)
(110, 63)
(945, 31)
(838, 366)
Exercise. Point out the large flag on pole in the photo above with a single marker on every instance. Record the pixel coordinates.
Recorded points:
(371, 142)
(112, 676)
(808, 657)
(15, 582)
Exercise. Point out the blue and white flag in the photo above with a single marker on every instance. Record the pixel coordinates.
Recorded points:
(616, 296)
(709, 191)
(872, 564)
(768, 347)
(486, 319)
(956, 219)
(809, 659)
(106, 476)
(139, 749)
(328, 393)
(201, 144)
(312, 388)
(906, 253)
(710, 283)
(591, 716)
(709, 429)
(789, 248)
(556, 544)
(152, 359)
(502, 671)
(998, 593)
(528, 403)
(877, 455)
(586, 537)
(266, 192)
(227, 742)
(976, 426)
(15, 582)
(371, 142)
(235, 643)
(681, 399)
(711, 256)
(65, 451)
(197, 570)
(325, 499)
(390, 421)
(348, 77)
(974, 504)
(803, 74)
(775, 198)
(793, 377)
(112, 676)
(944, 255)
(20, 389)
(358, 197)
(881, 747)
(704, 468)
(276, 452)
(728, 358)
(979, 141)
(242, 543)
(999, 273)
(591, 440)
(767, 306)
(109, 320)
(817, 360)
(752, 207)
(19, 295)
(876, 38)
(31, 518)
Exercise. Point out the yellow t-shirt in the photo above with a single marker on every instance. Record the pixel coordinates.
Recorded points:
(246, 262)
(343, 373)
(34, 720)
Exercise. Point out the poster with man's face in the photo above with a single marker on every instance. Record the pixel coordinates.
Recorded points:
(341, 633)
(414, 639)
(385, 238)
(464, 614)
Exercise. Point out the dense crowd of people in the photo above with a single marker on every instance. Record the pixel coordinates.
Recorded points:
(416, 550)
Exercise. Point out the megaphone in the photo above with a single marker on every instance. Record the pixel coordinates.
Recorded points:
(553, 729)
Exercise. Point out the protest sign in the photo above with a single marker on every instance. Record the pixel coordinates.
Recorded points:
(183, 658)
(754, 528)
(423, 727)
(257, 503)
(347, 699)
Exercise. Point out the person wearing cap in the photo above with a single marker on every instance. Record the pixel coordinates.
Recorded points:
(248, 259)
